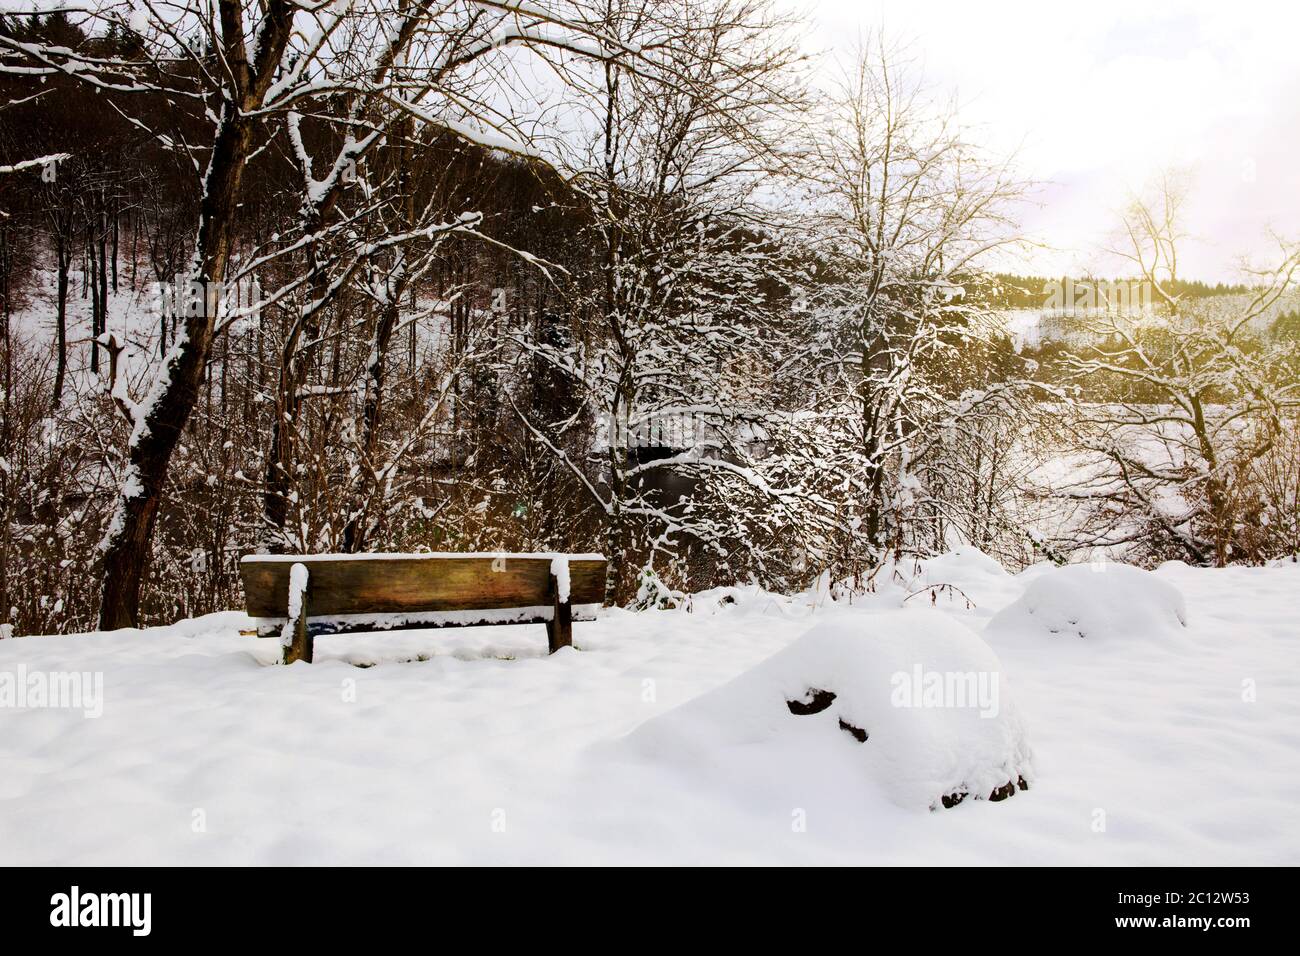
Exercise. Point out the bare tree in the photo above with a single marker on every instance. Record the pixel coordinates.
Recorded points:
(247, 72)
(905, 210)
(685, 260)
(1210, 396)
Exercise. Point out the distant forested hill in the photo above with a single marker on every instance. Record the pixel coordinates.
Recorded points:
(1027, 292)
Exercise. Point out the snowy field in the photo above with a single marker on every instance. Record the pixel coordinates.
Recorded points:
(1153, 742)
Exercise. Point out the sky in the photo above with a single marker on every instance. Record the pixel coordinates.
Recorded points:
(1096, 98)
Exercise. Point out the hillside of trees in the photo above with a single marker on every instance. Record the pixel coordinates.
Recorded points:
(351, 288)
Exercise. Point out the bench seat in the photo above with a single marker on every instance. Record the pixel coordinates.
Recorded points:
(298, 597)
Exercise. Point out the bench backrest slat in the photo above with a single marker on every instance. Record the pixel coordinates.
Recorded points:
(380, 584)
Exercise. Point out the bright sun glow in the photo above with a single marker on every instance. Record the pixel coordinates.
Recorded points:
(1096, 101)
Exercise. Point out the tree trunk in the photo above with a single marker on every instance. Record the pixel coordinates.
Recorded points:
(354, 533)
(116, 238)
(92, 284)
(295, 363)
(103, 273)
(615, 533)
(165, 413)
(64, 256)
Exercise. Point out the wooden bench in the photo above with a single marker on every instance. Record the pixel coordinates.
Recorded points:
(296, 597)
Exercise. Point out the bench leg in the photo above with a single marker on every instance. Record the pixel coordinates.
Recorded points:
(301, 644)
(559, 629)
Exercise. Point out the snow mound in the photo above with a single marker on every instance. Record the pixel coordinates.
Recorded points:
(1095, 602)
(964, 579)
(909, 700)
(964, 562)
(965, 568)
(749, 596)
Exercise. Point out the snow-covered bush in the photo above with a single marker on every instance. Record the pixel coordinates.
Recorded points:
(961, 573)
(912, 700)
(1094, 602)
(652, 592)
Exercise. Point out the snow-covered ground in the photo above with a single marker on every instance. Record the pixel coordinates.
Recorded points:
(1152, 744)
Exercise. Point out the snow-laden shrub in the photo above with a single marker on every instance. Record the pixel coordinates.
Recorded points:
(962, 579)
(748, 596)
(1095, 602)
(965, 573)
(911, 700)
(653, 593)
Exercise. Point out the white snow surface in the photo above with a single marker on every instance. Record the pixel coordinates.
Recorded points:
(418, 556)
(474, 746)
